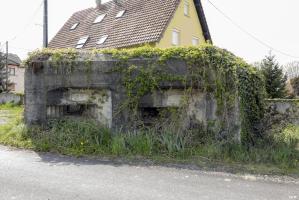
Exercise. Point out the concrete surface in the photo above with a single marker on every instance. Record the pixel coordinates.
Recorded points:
(26, 175)
(51, 84)
(10, 98)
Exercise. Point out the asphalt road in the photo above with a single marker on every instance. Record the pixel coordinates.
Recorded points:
(26, 175)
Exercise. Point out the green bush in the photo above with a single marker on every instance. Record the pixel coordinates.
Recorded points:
(141, 143)
(172, 142)
(118, 146)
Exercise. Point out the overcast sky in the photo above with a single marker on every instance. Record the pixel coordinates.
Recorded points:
(273, 22)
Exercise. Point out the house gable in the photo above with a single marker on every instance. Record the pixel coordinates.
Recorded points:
(188, 27)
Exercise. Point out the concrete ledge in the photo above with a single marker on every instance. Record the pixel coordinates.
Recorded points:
(11, 98)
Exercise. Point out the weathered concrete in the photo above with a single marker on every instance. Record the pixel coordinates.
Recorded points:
(96, 104)
(10, 98)
(55, 91)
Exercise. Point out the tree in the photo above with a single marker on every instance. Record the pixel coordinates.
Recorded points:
(2, 72)
(275, 79)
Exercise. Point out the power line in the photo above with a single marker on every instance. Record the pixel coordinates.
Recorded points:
(23, 29)
(250, 34)
(20, 48)
(29, 21)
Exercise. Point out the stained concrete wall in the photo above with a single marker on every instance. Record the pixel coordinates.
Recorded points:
(48, 88)
(97, 104)
(10, 98)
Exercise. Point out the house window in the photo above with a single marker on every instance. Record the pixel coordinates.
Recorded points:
(99, 18)
(120, 14)
(195, 41)
(102, 39)
(175, 37)
(186, 8)
(82, 42)
(74, 26)
(12, 71)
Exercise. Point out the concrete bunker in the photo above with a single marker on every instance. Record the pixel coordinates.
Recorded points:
(96, 90)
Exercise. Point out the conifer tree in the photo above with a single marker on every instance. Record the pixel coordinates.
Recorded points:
(275, 79)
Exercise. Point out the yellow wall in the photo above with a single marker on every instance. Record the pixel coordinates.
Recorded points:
(188, 26)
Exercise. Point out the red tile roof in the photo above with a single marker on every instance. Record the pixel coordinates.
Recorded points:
(144, 21)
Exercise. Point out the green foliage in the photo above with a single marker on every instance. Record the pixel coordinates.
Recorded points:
(288, 135)
(252, 95)
(118, 146)
(173, 142)
(84, 137)
(58, 56)
(275, 79)
(281, 155)
(216, 70)
(140, 143)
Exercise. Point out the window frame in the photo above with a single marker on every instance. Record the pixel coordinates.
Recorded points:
(11, 69)
(178, 37)
(193, 39)
(102, 39)
(82, 41)
(120, 14)
(186, 8)
(99, 18)
(74, 27)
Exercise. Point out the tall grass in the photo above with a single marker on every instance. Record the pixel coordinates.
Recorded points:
(85, 137)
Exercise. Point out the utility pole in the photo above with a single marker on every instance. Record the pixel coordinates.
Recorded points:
(45, 40)
(6, 67)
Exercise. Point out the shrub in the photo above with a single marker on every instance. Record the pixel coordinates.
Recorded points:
(140, 143)
(172, 142)
(118, 146)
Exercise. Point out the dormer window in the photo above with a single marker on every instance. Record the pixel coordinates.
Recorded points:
(99, 18)
(120, 14)
(82, 42)
(74, 26)
(102, 39)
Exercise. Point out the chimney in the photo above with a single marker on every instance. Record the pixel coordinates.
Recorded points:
(98, 3)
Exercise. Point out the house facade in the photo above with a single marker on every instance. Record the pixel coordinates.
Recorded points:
(184, 28)
(131, 23)
(15, 74)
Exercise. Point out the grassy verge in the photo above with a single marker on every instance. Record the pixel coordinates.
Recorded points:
(70, 137)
